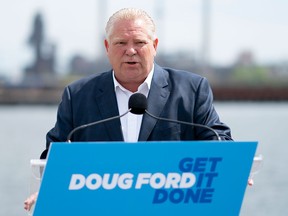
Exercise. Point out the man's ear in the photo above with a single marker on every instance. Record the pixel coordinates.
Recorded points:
(106, 44)
(155, 45)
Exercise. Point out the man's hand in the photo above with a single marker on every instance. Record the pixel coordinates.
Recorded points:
(30, 201)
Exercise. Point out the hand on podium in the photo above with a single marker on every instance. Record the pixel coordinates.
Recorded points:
(250, 182)
(257, 165)
(30, 201)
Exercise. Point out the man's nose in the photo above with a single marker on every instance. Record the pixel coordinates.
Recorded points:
(130, 51)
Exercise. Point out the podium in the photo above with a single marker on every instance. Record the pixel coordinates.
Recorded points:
(145, 178)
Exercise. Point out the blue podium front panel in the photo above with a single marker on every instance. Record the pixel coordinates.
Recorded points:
(145, 178)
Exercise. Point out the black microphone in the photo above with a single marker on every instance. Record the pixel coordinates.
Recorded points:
(94, 123)
(138, 105)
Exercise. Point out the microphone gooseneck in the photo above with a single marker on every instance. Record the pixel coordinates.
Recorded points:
(93, 123)
(138, 105)
(186, 123)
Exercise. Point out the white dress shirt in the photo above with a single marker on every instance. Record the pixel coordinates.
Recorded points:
(130, 123)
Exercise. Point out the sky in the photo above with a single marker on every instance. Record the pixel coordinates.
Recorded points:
(259, 26)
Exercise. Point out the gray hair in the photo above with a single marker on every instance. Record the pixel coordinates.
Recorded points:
(131, 14)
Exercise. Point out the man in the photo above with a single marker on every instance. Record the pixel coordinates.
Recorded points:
(131, 45)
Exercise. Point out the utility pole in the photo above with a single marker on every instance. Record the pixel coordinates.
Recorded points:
(205, 46)
(159, 16)
(101, 20)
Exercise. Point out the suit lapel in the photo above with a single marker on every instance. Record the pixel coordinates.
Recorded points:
(157, 99)
(107, 103)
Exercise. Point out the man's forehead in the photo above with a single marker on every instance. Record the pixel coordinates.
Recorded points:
(126, 32)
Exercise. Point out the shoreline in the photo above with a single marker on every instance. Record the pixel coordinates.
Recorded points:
(49, 95)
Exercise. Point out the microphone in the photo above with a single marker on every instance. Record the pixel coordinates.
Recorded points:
(94, 123)
(138, 105)
(135, 103)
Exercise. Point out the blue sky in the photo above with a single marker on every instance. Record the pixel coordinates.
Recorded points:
(260, 26)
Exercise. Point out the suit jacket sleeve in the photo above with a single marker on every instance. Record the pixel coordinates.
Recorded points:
(64, 123)
(205, 113)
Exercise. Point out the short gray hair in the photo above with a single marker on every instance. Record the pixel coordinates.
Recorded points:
(131, 14)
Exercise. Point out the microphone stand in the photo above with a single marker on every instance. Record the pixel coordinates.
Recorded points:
(186, 123)
(93, 123)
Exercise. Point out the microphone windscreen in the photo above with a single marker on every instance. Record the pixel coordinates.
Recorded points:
(137, 103)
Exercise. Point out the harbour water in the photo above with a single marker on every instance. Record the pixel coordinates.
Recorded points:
(23, 129)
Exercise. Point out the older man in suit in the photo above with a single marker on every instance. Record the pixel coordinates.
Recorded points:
(131, 45)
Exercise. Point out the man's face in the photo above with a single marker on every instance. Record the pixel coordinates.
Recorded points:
(131, 51)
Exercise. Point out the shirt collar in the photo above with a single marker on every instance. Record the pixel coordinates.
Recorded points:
(147, 82)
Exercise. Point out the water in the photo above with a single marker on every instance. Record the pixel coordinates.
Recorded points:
(23, 129)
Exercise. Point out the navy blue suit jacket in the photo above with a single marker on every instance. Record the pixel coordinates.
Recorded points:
(174, 94)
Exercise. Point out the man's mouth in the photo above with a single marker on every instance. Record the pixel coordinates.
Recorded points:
(131, 63)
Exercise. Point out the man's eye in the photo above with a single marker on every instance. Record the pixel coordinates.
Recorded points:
(141, 43)
(120, 43)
